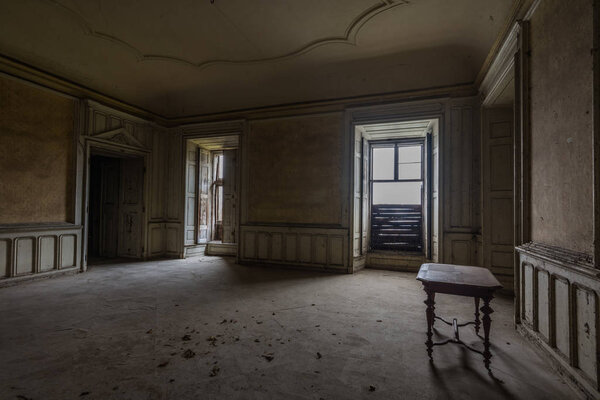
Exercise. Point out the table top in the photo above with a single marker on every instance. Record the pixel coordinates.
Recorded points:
(458, 275)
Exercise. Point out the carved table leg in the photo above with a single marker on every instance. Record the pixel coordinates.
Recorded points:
(477, 322)
(430, 302)
(487, 322)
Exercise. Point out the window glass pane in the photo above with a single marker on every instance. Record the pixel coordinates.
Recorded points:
(409, 171)
(383, 163)
(402, 193)
(409, 154)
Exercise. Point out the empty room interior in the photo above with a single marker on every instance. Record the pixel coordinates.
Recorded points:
(316, 199)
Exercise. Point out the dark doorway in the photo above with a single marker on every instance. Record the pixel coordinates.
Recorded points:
(115, 208)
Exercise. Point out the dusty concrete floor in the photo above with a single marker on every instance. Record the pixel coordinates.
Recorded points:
(124, 331)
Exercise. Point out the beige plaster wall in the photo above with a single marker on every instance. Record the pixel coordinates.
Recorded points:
(36, 154)
(561, 115)
(295, 170)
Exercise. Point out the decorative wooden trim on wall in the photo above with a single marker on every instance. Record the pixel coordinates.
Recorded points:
(559, 310)
(38, 249)
(318, 248)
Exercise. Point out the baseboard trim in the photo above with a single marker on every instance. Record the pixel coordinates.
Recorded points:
(19, 280)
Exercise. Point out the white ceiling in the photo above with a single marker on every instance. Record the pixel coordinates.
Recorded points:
(186, 57)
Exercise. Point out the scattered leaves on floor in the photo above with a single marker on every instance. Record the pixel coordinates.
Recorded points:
(268, 356)
(188, 354)
(214, 371)
(212, 340)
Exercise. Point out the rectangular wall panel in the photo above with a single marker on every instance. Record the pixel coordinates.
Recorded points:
(586, 317)
(561, 316)
(47, 253)
(543, 303)
(4, 258)
(277, 247)
(25, 255)
(291, 247)
(263, 246)
(336, 250)
(528, 292)
(305, 255)
(67, 251)
(249, 245)
(319, 249)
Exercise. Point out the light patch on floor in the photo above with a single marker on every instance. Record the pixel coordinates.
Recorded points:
(207, 328)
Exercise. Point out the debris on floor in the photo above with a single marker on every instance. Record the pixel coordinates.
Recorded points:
(268, 356)
(188, 354)
(372, 388)
(214, 371)
(212, 340)
(185, 338)
(319, 356)
(163, 364)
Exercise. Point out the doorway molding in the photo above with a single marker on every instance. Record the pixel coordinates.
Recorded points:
(207, 130)
(116, 142)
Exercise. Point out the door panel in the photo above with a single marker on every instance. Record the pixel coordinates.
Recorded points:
(131, 208)
(229, 195)
(203, 196)
(109, 226)
(497, 181)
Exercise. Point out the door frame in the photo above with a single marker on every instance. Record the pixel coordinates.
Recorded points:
(207, 130)
(104, 147)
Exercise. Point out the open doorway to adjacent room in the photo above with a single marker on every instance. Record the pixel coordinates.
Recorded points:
(216, 198)
(115, 207)
(396, 192)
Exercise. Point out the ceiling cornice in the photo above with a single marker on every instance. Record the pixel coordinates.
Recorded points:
(29, 73)
(348, 38)
(20, 70)
(520, 7)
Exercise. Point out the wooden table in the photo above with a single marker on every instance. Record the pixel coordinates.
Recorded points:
(459, 280)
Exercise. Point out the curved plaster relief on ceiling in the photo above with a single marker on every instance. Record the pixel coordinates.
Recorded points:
(348, 38)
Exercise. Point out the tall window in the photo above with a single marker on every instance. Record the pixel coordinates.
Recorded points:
(397, 181)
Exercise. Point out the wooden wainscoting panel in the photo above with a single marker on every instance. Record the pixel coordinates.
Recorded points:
(68, 251)
(5, 263)
(561, 317)
(47, 253)
(24, 255)
(543, 303)
(586, 317)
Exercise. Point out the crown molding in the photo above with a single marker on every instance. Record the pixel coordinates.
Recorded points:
(45, 80)
(521, 8)
(36, 76)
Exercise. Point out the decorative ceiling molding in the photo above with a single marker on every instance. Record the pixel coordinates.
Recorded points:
(348, 38)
